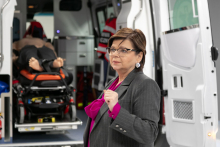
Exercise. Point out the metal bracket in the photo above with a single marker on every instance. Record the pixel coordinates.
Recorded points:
(164, 93)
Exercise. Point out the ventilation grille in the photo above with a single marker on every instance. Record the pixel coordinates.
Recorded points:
(183, 110)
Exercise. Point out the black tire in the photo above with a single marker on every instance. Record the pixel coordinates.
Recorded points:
(29, 116)
(72, 112)
(62, 114)
(21, 115)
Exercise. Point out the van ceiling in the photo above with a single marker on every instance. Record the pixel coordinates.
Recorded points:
(35, 6)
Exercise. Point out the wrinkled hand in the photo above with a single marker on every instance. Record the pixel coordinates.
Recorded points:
(111, 98)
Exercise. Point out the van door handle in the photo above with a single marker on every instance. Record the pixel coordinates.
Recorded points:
(82, 55)
(82, 43)
(214, 52)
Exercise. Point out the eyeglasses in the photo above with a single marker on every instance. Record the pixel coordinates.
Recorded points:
(121, 51)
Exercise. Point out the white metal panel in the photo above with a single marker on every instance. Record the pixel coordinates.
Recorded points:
(8, 14)
(181, 49)
(77, 50)
(191, 103)
(78, 58)
(121, 21)
(76, 45)
(164, 16)
(140, 17)
(7, 18)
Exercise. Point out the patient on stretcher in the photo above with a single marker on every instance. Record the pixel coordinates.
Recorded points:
(30, 52)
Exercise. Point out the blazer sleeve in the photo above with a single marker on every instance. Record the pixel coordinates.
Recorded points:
(142, 124)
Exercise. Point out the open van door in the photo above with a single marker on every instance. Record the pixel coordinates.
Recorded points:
(189, 73)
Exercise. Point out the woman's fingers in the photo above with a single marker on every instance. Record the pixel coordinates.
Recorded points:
(106, 96)
(107, 100)
(109, 96)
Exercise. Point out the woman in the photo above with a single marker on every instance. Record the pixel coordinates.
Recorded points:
(127, 112)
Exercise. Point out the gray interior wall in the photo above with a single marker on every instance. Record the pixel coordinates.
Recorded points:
(72, 23)
(22, 7)
(122, 19)
(214, 7)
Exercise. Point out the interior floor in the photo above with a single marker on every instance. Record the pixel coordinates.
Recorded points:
(70, 135)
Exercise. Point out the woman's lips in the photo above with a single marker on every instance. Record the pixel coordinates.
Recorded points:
(115, 62)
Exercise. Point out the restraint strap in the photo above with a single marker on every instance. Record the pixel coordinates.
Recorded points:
(46, 64)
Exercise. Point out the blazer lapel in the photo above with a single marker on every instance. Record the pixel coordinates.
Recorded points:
(120, 90)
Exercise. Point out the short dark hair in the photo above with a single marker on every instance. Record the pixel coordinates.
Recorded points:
(137, 39)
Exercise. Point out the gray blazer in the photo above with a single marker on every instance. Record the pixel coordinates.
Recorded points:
(136, 125)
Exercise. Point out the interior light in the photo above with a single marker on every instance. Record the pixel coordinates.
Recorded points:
(119, 4)
(209, 134)
(30, 6)
(58, 31)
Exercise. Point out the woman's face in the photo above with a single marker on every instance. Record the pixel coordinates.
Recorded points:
(124, 62)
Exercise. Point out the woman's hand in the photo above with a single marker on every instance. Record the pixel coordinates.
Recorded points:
(111, 98)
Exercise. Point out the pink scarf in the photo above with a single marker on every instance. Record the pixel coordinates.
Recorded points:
(93, 109)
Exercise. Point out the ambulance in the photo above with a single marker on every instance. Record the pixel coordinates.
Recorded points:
(181, 57)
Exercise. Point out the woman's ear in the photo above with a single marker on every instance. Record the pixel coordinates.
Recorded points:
(140, 56)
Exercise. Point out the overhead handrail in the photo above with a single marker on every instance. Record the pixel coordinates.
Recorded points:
(141, 7)
(1, 53)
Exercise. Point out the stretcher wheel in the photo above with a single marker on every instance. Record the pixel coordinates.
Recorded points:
(29, 116)
(72, 112)
(21, 114)
(62, 114)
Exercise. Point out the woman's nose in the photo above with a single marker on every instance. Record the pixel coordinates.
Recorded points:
(115, 54)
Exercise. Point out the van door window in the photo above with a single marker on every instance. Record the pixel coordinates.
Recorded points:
(183, 13)
(101, 20)
(102, 14)
(70, 5)
(110, 12)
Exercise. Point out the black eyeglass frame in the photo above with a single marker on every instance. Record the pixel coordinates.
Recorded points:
(108, 48)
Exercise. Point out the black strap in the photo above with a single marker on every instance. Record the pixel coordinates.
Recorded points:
(16, 52)
(46, 64)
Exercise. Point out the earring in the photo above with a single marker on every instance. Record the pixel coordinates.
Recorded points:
(137, 65)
